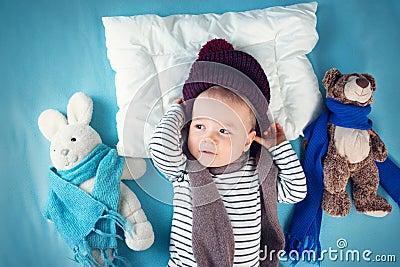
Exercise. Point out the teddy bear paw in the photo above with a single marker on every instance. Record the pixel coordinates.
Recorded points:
(141, 238)
(375, 206)
(336, 205)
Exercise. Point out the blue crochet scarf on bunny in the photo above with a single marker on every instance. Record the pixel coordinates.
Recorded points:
(304, 230)
(88, 221)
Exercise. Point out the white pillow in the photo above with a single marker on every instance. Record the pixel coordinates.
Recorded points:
(152, 55)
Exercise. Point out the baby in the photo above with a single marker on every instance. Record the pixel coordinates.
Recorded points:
(225, 194)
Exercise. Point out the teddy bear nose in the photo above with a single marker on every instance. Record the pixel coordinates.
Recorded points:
(64, 151)
(362, 82)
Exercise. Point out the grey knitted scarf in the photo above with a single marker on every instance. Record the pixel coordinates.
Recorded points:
(212, 235)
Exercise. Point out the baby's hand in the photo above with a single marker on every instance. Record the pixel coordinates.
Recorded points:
(179, 101)
(273, 136)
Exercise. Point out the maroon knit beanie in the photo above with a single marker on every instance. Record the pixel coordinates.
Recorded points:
(220, 64)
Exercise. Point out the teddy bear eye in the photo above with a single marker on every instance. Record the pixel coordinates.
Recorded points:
(73, 139)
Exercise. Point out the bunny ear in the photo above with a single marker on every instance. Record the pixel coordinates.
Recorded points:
(80, 108)
(50, 121)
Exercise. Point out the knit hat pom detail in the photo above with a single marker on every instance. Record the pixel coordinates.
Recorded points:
(214, 46)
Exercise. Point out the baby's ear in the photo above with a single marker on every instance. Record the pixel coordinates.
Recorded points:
(249, 141)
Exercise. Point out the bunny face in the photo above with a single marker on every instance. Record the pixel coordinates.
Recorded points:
(72, 144)
(73, 139)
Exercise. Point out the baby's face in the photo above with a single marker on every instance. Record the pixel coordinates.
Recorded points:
(220, 131)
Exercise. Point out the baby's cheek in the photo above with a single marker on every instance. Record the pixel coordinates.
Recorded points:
(192, 146)
(238, 146)
(230, 148)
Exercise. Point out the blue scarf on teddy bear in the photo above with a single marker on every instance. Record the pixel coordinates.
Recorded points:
(304, 231)
(88, 221)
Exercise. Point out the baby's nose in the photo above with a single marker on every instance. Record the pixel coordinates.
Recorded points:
(211, 138)
(64, 151)
(208, 143)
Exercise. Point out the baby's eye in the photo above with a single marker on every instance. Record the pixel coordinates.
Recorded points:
(199, 126)
(73, 139)
(224, 131)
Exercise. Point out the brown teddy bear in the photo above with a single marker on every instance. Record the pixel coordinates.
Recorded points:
(352, 152)
(341, 144)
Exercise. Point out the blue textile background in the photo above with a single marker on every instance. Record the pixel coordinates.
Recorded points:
(51, 49)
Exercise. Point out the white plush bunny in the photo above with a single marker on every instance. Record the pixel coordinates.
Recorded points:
(72, 141)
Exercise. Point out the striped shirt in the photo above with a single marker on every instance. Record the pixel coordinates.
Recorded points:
(239, 192)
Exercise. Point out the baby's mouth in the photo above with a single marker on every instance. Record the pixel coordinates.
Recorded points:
(208, 152)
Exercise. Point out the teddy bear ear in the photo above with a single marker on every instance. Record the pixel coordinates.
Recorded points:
(80, 108)
(371, 80)
(50, 122)
(330, 78)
